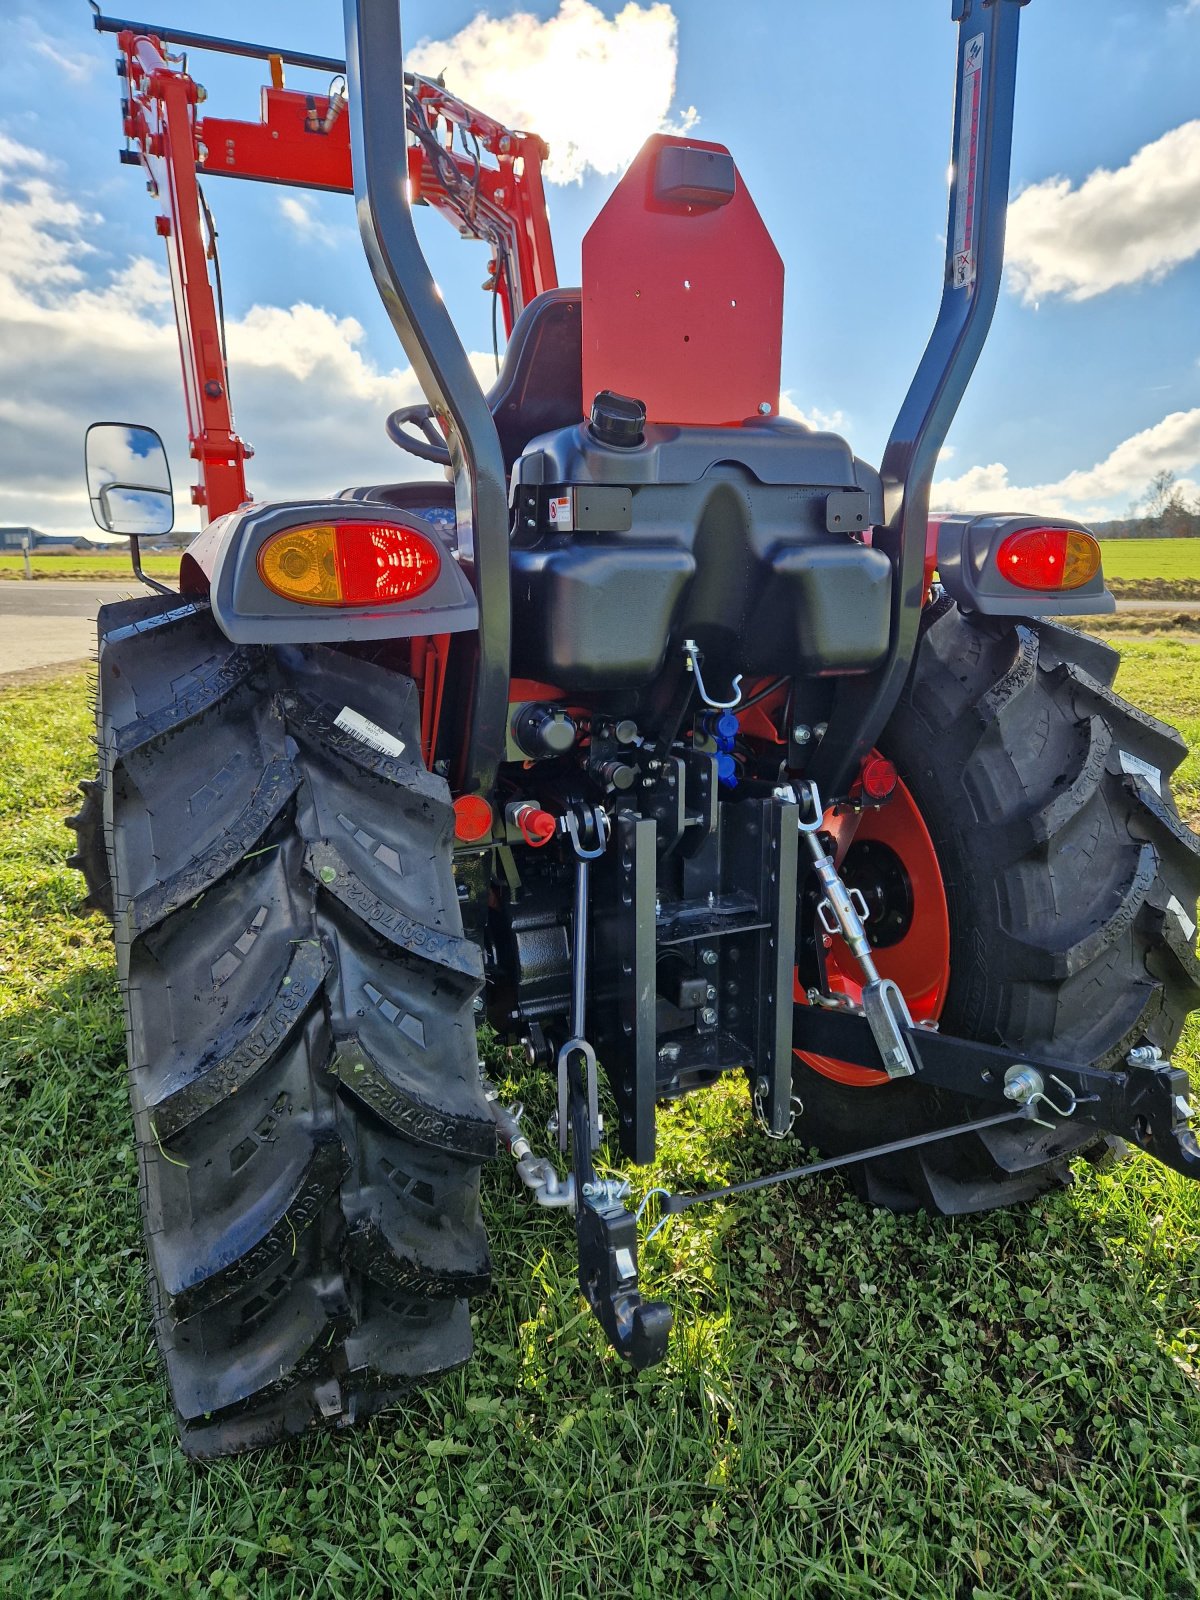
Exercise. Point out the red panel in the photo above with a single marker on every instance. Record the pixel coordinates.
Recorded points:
(682, 303)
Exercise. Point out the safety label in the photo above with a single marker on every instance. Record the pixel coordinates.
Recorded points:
(561, 513)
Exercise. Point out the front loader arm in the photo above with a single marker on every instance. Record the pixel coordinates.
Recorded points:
(303, 140)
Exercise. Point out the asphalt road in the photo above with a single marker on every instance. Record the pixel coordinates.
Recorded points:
(52, 622)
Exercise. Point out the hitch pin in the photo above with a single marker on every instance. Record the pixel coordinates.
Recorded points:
(1026, 1087)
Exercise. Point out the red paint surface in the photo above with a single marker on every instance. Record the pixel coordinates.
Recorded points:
(682, 303)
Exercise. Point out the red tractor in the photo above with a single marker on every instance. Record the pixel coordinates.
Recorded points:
(640, 727)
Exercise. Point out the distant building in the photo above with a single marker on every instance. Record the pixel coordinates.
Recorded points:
(19, 538)
(31, 539)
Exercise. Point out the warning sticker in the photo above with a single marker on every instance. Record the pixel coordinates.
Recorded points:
(966, 165)
(560, 513)
(370, 733)
(1136, 767)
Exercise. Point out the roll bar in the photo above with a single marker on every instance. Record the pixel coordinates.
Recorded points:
(374, 61)
(983, 120)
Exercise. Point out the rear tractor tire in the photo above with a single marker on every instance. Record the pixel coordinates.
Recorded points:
(299, 1020)
(1070, 889)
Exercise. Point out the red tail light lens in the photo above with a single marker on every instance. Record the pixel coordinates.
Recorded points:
(1048, 558)
(350, 564)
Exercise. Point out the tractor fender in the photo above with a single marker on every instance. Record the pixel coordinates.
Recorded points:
(222, 563)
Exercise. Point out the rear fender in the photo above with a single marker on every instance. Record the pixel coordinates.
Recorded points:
(965, 548)
(222, 562)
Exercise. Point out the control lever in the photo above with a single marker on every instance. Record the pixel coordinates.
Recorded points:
(606, 1231)
(841, 911)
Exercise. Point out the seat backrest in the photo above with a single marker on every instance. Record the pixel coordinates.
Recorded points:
(540, 384)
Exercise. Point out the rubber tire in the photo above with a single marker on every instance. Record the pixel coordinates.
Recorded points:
(300, 1026)
(90, 856)
(1071, 887)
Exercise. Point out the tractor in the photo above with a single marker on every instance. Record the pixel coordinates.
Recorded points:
(655, 729)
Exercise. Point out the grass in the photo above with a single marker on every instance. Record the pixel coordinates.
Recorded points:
(855, 1406)
(84, 566)
(1176, 560)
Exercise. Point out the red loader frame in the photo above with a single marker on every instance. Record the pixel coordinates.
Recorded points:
(303, 140)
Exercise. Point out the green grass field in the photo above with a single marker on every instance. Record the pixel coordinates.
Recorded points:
(855, 1406)
(84, 566)
(1130, 560)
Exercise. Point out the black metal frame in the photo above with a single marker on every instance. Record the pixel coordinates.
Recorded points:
(378, 130)
(862, 706)
(1146, 1102)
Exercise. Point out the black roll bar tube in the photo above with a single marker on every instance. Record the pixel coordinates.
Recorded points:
(983, 121)
(378, 157)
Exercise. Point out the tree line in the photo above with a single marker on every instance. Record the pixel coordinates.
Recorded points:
(1164, 511)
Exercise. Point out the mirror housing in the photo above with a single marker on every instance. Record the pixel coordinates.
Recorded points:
(128, 480)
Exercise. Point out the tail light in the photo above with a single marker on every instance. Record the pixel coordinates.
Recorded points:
(1048, 558)
(349, 564)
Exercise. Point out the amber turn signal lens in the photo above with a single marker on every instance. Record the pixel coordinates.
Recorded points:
(349, 564)
(301, 564)
(1048, 558)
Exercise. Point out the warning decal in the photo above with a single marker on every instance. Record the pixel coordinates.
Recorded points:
(560, 513)
(966, 165)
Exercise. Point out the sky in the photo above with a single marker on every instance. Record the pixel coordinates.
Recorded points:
(838, 116)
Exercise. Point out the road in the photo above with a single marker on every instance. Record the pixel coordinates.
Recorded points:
(53, 622)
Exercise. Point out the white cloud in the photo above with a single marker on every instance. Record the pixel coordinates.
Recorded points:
(305, 392)
(1094, 493)
(814, 417)
(1118, 227)
(592, 87)
(299, 212)
(73, 64)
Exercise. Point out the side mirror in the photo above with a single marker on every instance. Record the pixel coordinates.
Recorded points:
(129, 480)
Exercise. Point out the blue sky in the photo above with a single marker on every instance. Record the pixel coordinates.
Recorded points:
(839, 118)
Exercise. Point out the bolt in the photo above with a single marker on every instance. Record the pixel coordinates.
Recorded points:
(764, 408)
(327, 875)
(668, 1052)
(801, 734)
(477, 1005)
(708, 1016)
(708, 956)
(1022, 1084)
(762, 1088)
(1144, 1055)
(711, 993)
(712, 899)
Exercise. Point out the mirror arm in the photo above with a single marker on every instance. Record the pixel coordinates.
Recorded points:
(135, 556)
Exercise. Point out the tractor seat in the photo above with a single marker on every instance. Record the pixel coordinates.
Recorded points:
(540, 383)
